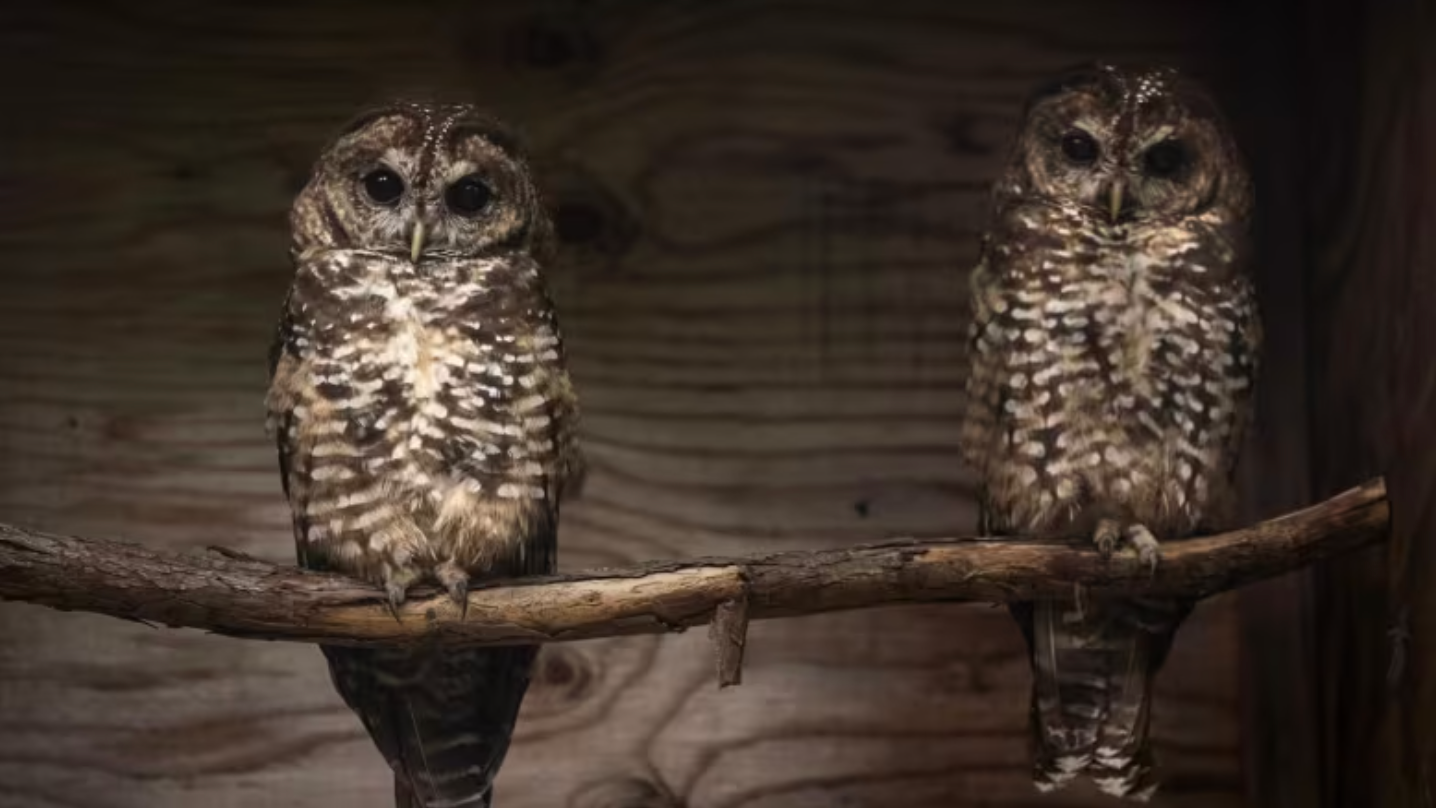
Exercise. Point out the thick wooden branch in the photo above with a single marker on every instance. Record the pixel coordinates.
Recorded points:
(239, 596)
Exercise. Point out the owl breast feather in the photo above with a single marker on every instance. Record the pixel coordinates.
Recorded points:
(414, 408)
(438, 369)
(1106, 382)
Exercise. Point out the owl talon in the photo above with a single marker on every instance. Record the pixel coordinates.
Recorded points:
(1107, 537)
(456, 580)
(459, 591)
(1149, 551)
(395, 599)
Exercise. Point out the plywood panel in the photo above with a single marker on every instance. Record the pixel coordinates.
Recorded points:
(1372, 213)
(1280, 729)
(770, 210)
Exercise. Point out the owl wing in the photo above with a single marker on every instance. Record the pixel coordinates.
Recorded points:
(283, 359)
(1232, 378)
(567, 480)
(989, 368)
(979, 423)
(1244, 353)
(278, 348)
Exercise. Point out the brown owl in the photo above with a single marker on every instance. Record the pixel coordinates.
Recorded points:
(1113, 356)
(425, 421)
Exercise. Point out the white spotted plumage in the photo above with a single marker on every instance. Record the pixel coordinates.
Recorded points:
(425, 420)
(1113, 349)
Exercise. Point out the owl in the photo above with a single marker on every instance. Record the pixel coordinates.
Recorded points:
(1113, 356)
(425, 420)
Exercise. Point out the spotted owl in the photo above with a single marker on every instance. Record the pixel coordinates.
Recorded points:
(1114, 349)
(425, 421)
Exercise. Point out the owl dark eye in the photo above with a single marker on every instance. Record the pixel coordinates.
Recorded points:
(1079, 147)
(1165, 159)
(383, 186)
(468, 196)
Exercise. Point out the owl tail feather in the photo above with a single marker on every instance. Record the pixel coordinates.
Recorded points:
(442, 718)
(1093, 665)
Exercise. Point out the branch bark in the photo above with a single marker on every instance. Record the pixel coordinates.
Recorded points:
(232, 594)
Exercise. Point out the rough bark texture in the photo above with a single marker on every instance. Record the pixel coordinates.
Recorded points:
(248, 598)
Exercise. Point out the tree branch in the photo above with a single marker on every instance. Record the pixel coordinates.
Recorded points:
(232, 594)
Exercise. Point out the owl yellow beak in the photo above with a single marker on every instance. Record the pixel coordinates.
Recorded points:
(1115, 201)
(417, 245)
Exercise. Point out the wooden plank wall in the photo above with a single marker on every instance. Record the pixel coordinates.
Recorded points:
(770, 210)
(1269, 87)
(1372, 214)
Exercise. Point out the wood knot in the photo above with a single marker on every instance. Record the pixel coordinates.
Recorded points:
(592, 226)
(960, 133)
(625, 792)
(552, 41)
(186, 172)
(563, 677)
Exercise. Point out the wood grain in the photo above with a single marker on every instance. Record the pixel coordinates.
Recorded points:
(1373, 215)
(1272, 83)
(769, 209)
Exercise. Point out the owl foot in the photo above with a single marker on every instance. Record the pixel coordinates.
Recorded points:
(456, 580)
(1110, 534)
(1148, 550)
(396, 586)
(460, 593)
(1107, 536)
(395, 599)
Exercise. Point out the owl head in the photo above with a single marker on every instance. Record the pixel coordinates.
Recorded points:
(420, 180)
(1126, 145)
